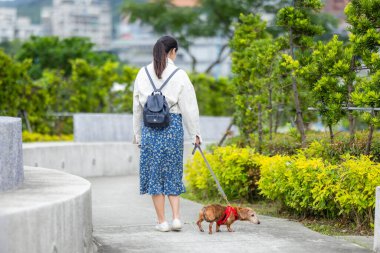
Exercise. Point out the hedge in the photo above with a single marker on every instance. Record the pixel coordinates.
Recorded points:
(304, 183)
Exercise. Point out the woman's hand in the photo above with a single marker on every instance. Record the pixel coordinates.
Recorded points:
(197, 140)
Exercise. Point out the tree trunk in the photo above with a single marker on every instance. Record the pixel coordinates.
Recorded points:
(260, 127)
(351, 118)
(226, 133)
(331, 134)
(270, 107)
(193, 60)
(218, 60)
(370, 135)
(280, 110)
(27, 122)
(193, 64)
(277, 119)
(299, 118)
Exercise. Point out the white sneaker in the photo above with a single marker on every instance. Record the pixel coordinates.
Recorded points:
(163, 227)
(176, 225)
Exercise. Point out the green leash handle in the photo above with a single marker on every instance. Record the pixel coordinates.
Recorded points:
(196, 146)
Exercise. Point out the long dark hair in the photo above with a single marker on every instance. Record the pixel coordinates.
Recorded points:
(160, 53)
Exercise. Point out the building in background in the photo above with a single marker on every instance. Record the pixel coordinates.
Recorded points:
(79, 18)
(134, 44)
(13, 27)
(336, 8)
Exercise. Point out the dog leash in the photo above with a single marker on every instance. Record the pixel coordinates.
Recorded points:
(196, 146)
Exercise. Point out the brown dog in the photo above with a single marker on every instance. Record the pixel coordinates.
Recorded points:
(217, 213)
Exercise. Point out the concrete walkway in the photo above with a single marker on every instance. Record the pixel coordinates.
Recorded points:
(124, 222)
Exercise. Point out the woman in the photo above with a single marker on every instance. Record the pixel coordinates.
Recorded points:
(161, 159)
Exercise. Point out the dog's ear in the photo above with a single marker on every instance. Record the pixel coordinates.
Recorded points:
(243, 213)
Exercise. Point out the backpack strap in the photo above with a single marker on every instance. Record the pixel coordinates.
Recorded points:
(163, 85)
(167, 80)
(150, 79)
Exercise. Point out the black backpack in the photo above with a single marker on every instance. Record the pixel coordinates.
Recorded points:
(156, 109)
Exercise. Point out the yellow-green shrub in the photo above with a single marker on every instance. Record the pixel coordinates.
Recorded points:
(355, 191)
(35, 137)
(300, 183)
(314, 186)
(236, 169)
(305, 182)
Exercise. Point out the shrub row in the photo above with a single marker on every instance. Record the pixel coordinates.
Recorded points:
(290, 144)
(35, 137)
(304, 183)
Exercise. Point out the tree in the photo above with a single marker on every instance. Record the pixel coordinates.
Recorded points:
(329, 74)
(209, 18)
(296, 20)
(11, 47)
(55, 53)
(248, 77)
(365, 23)
(214, 95)
(19, 97)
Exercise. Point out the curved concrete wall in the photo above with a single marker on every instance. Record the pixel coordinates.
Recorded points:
(50, 212)
(84, 159)
(11, 168)
(88, 159)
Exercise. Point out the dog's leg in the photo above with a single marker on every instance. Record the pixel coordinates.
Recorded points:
(210, 227)
(199, 224)
(229, 228)
(217, 228)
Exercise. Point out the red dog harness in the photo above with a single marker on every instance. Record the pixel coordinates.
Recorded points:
(229, 210)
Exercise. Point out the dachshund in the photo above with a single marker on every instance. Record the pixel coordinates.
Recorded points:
(225, 215)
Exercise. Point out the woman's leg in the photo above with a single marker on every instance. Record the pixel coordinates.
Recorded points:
(174, 202)
(159, 205)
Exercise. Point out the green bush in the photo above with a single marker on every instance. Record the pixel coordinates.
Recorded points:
(214, 95)
(287, 144)
(236, 169)
(315, 186)
(304, 183)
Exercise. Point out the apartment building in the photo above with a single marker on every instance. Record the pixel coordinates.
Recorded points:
(81, 18)
(14, 27)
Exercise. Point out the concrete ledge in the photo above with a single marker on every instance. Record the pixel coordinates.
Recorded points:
(88, 159)
(11, 168)
(376, 242)
(105, 127)
(50, 212)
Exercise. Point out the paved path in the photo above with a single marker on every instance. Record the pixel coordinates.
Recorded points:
(124, 222)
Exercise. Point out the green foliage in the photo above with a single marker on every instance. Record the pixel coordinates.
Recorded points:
(55, 53)
(11, 47)
(314, 186)
(366, 43)
(305, 182)
(367, 94)
(89, 88)
(251, 64)
(209, 18)
(19, 96)
(328, 74)
(286, 144)
(220, 103)
(236, 169)
(298, 20)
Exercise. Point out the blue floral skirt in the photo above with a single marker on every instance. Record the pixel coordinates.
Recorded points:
(161, 159)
